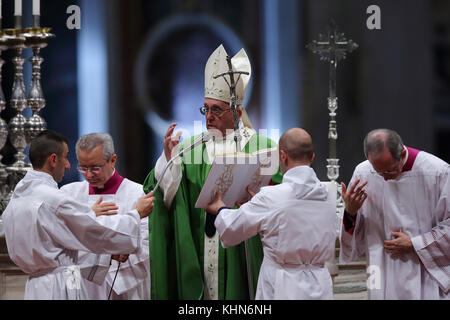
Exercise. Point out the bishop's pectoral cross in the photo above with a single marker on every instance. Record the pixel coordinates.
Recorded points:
(332, 47)
(232, 85)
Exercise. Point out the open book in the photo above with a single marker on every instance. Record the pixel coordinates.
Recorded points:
(232, 173)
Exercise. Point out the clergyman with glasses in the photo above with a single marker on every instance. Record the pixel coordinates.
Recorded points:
(397, 213)
(186, 255)
(103, 277)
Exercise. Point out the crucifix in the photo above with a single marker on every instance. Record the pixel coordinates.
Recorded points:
(332, 47)
(232, 85)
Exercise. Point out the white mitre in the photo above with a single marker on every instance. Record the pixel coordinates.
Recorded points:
(218, 88)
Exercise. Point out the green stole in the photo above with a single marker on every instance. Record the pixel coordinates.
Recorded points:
(176, 237)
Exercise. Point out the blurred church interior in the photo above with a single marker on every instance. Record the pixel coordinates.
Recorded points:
(136, 66)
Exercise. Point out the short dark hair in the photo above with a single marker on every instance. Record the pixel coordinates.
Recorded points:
(44, 145)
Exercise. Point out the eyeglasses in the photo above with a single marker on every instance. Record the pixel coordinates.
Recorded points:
(216, 111)
(93, 170)
(387, 173)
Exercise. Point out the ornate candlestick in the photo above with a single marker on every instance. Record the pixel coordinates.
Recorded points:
(16, 127)
(36, 38)
(3, 130)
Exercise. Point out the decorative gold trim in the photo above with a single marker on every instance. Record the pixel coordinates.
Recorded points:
(13, 32)
(41, 30)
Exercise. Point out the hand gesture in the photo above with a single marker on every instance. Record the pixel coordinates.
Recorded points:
(145, 205)
(216, 204)
(104, 209)
(354, 197)
(171, 142)
(400, 245)
(120, 257)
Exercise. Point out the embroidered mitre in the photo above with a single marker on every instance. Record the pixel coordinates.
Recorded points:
(219, 88)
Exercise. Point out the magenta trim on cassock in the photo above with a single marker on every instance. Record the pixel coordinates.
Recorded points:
(412, 154)
(110, 186)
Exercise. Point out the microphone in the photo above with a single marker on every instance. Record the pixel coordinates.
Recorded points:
(204, 137)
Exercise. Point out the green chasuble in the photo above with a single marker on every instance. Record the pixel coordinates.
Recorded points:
(176, 237)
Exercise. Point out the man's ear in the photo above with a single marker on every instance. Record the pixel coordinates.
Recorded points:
(312, 158)
(52, 160)
(403, 154)
(283, 155)
(113, 159)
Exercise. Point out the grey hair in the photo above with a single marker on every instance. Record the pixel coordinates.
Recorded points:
(89, 141)
(377, 140)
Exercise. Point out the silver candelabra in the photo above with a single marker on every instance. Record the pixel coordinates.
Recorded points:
(3, 129)
(21, 130)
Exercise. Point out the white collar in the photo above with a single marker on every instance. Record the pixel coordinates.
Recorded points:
(43, 176)
(246, 134)
(406, 157)
(225, 144)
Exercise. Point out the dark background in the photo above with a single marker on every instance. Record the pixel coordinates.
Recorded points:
(155, 52)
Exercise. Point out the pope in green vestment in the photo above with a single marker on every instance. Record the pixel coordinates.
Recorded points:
(185, 262)
(177, 239)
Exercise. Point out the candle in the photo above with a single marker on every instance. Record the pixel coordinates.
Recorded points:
(18, 7)
(18, 14)
(36, 13)
(36, 7)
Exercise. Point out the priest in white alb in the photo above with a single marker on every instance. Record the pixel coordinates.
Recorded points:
(105, 276)
(397, 214)
(296, 223)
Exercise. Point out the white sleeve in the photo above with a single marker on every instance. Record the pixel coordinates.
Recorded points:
(352, 244)
(433, 248)
(136, 270)
(76, 227)
(171, 179)
(234, 226)
(142, 255)
(94, 267)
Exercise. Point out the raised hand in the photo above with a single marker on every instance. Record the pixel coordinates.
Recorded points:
(104, 209)
(171, 142)
(145, 205)
(354, 197)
